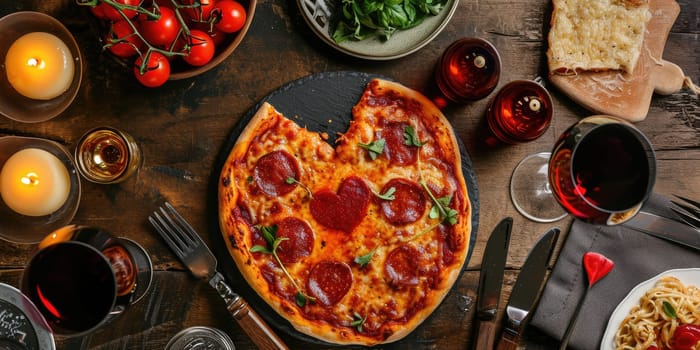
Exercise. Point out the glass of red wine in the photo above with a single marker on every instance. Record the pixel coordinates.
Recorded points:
(601, 170)
(81, 278)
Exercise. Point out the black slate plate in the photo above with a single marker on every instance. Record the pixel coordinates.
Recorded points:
(322, 102)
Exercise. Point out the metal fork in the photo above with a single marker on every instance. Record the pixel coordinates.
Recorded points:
(689, 211)
(189, 247)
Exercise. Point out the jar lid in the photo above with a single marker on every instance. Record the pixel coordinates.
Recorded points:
(21, 325)
(200, 338)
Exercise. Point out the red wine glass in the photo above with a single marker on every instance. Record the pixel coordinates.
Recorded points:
(601, 170)
(81, 278)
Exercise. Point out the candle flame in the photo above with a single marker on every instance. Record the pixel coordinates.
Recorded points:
(36, 62)
(31, 179)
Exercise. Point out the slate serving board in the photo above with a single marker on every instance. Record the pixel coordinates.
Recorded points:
(320, 102)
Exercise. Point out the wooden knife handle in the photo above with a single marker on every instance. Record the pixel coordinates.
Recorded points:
(508, 341)
(486, 335)
(259, 332)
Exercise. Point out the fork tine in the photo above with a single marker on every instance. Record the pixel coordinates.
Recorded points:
(184, 228)
(175, 232)
(162, 227)
(688, 213)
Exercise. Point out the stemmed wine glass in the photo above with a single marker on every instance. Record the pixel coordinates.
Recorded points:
(601, 170)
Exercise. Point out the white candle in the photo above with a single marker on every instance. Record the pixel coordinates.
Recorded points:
(34, 182)
(39, 66)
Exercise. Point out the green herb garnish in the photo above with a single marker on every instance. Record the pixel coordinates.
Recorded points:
(409, 134)
(290, 180)
(375, 148)
(363, 260)
(357, 321)
(669, 310)
(388, 195)
(441, 209)
(273, 242)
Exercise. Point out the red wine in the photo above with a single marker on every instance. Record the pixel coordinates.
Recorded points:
(72, 285)
(602, 172)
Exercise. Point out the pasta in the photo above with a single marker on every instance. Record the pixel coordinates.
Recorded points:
(652, 322)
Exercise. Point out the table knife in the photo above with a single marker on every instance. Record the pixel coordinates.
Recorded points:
(490, 281)
(526, 291)
(665, 228)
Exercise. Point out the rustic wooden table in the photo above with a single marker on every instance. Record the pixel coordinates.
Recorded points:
(182, 125)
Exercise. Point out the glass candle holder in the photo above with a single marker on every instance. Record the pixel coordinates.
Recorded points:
(18, 106)
(520, 112)
(468, 70)
(107, 155)
(18, 227)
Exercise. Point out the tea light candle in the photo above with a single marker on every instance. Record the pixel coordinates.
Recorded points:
(39, 66)
(34, 182)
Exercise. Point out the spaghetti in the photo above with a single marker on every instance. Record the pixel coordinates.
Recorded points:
(664, 308)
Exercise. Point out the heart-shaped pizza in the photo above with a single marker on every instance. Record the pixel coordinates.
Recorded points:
(357, 243)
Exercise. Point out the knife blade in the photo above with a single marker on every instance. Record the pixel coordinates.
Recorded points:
(526, 291)
(490, 282)
(665, 228)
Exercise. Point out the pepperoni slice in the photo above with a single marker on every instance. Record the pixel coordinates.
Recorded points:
(299, 242)
(329, 281)
(401, 266)
(408, 204)
(346, 209)
(272, 171)
(396, 149)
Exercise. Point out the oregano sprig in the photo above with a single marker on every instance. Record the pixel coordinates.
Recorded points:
(290, 180)
(388, 195)
(363, 260)
(441, 209)
(375, 148)
(273, 242)
(409, 135)
(358, 321)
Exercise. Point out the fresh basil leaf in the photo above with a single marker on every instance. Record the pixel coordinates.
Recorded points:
(669, 310)
(269, 233)
(388, 195)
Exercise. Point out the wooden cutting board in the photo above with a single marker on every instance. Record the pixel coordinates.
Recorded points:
(628, 95)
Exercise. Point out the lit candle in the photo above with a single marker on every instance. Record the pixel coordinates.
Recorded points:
(34, 182)
(39, 66)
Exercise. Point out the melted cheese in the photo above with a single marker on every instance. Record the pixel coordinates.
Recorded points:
(596, 35)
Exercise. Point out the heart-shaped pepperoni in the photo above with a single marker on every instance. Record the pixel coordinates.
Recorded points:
(346, 209)
(597, 266)
(329, 281)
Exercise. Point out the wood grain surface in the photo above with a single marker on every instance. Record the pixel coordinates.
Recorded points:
(182, 126)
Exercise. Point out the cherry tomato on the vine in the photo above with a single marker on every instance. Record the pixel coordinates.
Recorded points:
(230, 14)
(107, 12)
(201, 12)
(162, 31)
(201, 48)
(129, 44)
(157, 70)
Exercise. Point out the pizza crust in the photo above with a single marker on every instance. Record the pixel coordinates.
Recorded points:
(237, 226)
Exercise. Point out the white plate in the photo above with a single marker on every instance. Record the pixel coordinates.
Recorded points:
(317, 14)
(687, 276)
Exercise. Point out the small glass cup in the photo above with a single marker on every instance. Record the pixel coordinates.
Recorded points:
(81, 278)
(107, 155)
(468, 70)
(520, 112)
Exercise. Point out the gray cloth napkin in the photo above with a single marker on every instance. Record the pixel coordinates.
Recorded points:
(637, 257)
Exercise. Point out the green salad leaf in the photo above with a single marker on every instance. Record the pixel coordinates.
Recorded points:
(361, 19)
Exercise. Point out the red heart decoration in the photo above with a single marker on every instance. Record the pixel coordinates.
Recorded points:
(346, 209)
(597, 266)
